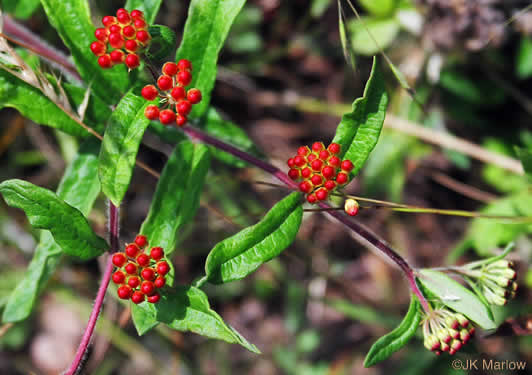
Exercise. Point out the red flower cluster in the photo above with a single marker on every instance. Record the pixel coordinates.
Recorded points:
(140, 274)
(172, 94)
(320, 170)
(127, 33)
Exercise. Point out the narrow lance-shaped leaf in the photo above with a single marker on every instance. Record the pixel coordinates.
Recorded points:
(177, 195)
(149, 7)
(187, 309)
(45, 210)
(120, 146)
(72, 20)
(206, 29)
(359, 130)
(236, 257)
(395, 340)
(79, 187)
(457, 297)
(32, 103)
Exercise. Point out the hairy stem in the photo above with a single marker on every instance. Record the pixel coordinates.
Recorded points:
(78, 361)
(362, 233)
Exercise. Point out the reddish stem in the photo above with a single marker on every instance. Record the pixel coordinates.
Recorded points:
(43, 49)
(362, 232)
(38, 46)
(98, 302)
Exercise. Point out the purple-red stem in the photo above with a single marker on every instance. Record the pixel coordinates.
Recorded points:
(18, 31)
(38, 45)
(98, 302)
(362, 232)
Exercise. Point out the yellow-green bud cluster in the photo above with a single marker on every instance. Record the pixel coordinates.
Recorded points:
(496, 281)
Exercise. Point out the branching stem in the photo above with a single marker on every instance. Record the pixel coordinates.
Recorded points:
(361, 232)
(81, 353)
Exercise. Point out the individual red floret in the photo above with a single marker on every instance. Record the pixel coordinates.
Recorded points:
(170, 69)
(342, 178)
(163, 268)
(166, 117)
(321, 194)
(152, 112)
(124, 292)
(143, 36)
(178, 93)
(148, 274)
(149, 92)
(135, 13)
(116, 40)
(183, 107)
(117, 56)
(157, 253)
(129, 32)
(143, 260)
(184, 77)
(109, 20)
(133, 282)
(101, 34)
(119, 259)
(194, 96)
(141, 240)
(137, 297)
(118, 277)
(180, 120)
(132, 250)
(132, 61)
(334, 148)
(98, 48)
(184, 64)
(293, 174)
(147, 287)
(165, 83)
(159, 282)
(347, 165)
(131, 46)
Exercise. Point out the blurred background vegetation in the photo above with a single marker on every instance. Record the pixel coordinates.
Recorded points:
(283, 77)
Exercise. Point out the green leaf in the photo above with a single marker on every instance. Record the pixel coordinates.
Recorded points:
(236, 257)
(486, 234)
(177, 196)
(368, 30)
(45, 210)
(395, 340)
(380, 8)
(149, 7)
(79, 187)
(187, 309)
(206, 29)
(31, 103)
(454, 295)
(163, 42)
(359, 130)
(524, 58)
(120, 146)
(72, 20)
(20, 8)
(230, 133)
(525, 156)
